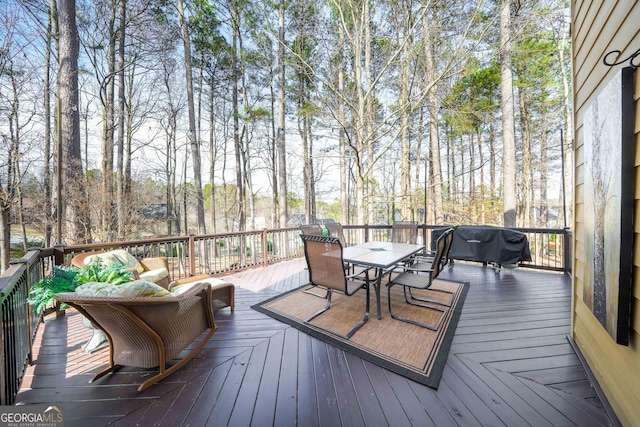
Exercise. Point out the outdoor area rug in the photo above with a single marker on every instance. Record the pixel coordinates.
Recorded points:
(409, 350)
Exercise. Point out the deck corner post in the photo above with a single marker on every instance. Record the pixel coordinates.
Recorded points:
(58, 254)
(567, 254)
(192, 255)
(265, 248)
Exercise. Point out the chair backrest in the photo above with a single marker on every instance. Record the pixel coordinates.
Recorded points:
(448, 244)
(404, 232)
(443, 244)
(324, 260)
(335, 230)
(315, 229)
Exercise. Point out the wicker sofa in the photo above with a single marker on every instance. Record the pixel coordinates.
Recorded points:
(148, 332)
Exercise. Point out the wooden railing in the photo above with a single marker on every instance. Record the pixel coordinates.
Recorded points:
(550, 247)
(190, 255)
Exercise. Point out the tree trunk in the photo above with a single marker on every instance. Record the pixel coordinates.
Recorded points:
(194, 143)
(213, 156)
(405, 158)
(568, 146)
(434, 107)
(273, 153)
(282, 146)
(544, 171)
(369, 119)
(525, 179)
(482, 186)
(108, 130)
(344, 177)
(306, 157)
(52, 16)
(236, 135)
(74, 181)
(5, 233)
(509, 170)
(123, 208)
(170, 158)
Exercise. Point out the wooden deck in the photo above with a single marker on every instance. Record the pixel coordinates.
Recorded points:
(510, 364)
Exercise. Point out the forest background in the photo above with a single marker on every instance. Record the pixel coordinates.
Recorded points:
(123, 119)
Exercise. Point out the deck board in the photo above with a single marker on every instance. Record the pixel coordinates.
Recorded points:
(510, 363)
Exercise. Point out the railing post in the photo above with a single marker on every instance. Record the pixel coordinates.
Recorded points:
(265, 249)
(567, 256)
(58, 254)
(192, 255)
(366, 233)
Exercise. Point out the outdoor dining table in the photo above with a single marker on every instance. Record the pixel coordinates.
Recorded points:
(381, 256)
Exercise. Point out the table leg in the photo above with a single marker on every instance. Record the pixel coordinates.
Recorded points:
(377, 284)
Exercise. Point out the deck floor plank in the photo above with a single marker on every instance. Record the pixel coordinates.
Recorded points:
(510, 363)
(365, 392)
(345, 391)
(265, 407)
(307, 396)
(328, 413)
(285, 404)
(248, 392)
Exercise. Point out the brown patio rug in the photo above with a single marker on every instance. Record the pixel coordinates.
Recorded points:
(409, 350)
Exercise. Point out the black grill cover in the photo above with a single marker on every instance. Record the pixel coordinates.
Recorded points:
(486, 244)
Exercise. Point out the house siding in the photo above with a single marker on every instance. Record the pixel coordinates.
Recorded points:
(599, 27)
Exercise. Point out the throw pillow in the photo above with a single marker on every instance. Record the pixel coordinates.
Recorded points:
(119, 258)
(137, 288)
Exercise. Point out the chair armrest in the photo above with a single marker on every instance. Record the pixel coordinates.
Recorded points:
(359, 275)
(189, 280)
(418, 270)
(427, 255)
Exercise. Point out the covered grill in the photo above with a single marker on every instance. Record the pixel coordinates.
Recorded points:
(487, 244)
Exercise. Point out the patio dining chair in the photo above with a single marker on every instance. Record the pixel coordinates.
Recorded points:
(315, 229)
(404, 232)
(423, 262)
(423, 278)
(335, 229)
(327, 270)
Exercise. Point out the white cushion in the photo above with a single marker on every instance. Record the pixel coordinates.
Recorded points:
(137, 288)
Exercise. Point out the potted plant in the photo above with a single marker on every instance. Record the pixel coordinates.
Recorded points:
(62, 279)
(67, 279)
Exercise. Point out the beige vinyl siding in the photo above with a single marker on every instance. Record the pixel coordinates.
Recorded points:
(599, 27)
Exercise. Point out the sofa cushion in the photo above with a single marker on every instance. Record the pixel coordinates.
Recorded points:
(136, 288)
(179, 290)
(154, 275)
(117, 258)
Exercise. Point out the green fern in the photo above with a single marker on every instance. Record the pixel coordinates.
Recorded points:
(96, 272)
(61, 280)
(67, 279)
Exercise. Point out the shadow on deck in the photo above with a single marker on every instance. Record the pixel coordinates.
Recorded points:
(510, 364)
